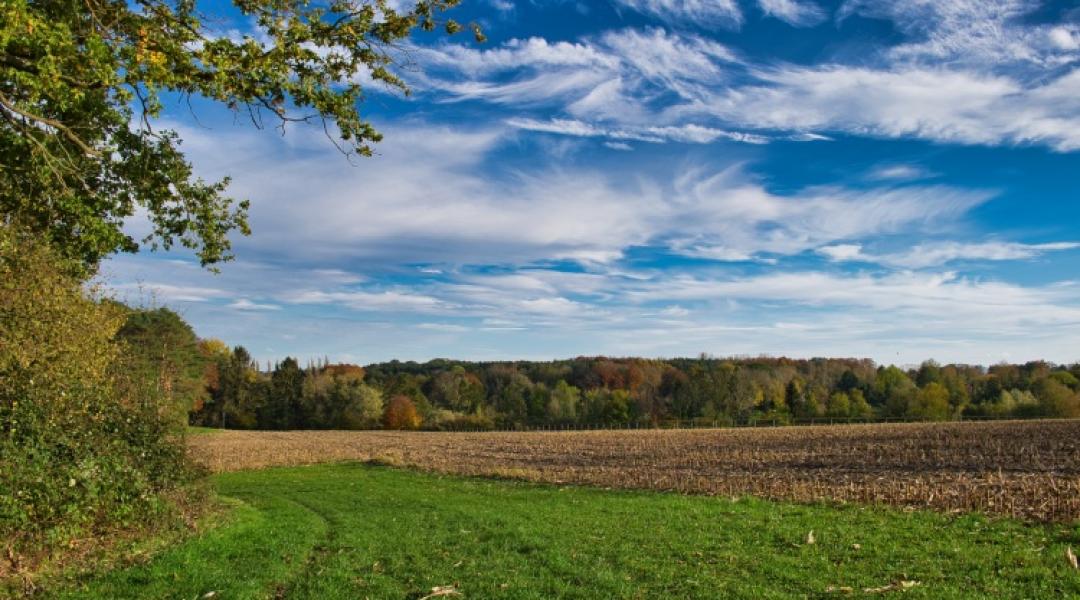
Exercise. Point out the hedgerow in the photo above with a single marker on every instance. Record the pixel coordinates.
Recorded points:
(79, 453)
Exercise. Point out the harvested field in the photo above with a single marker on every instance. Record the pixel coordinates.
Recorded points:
(1025, 469)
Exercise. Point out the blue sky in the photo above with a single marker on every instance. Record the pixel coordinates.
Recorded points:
(893, 179)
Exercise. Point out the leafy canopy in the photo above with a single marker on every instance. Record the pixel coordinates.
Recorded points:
(81, 82)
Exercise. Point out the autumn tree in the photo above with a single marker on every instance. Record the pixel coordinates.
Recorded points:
(344, 372)
(212, 351)
(401, 413)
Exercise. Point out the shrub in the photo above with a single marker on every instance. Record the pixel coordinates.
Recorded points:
(79, 456)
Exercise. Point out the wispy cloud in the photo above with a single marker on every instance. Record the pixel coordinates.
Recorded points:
(246, 304)
(383, 301)
(938, 254)
(631, 79)
(148, 292)
(693, 134)
(622, 75)
(727, 216)
(797, 13)
(942, 297)
(970, 32)
(708, 13)
(898, 172)
(385, 209)
(922, 103)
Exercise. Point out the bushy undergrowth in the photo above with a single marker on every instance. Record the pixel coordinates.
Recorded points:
(78, 454)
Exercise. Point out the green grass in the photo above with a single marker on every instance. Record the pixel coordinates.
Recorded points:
(356, 531)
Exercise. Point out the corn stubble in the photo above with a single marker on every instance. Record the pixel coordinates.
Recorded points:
(1024, 469)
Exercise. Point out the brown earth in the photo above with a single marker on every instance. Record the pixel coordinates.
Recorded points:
(1025, 469)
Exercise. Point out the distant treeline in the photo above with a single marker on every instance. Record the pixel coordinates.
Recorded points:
(599, 391)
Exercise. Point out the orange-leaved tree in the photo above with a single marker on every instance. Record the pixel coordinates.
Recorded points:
(401, 413)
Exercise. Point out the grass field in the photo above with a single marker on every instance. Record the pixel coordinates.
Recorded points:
(359, 531)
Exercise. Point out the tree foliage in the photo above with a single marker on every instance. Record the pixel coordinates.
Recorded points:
(82, 82)
(602, 392)
(164, 360)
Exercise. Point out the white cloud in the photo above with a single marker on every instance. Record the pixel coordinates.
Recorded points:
(553, 306)
(712, 252)
(543, 313)
(668, 59)
(898, 172)
(1065, 37)
(443, 327)
(728, 216)
(930, 255)
(690, 133)
(932, 104)
(617, 75)
(703, 135)
(312, 206)
(842, 252)
(155, 292)
(797, 13)
(516, 53)
(707, 13)
(675, 311)
(245, 304)
(986, 33)
(384, 301)
(943, 298)
(631, 80)
(808, 137)
(938, 254)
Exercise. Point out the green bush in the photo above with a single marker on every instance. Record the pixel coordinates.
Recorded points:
(78, 455)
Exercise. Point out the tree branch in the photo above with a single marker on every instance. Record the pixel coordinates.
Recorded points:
(57, 125)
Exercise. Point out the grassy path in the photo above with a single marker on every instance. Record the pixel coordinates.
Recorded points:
(352, 531)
